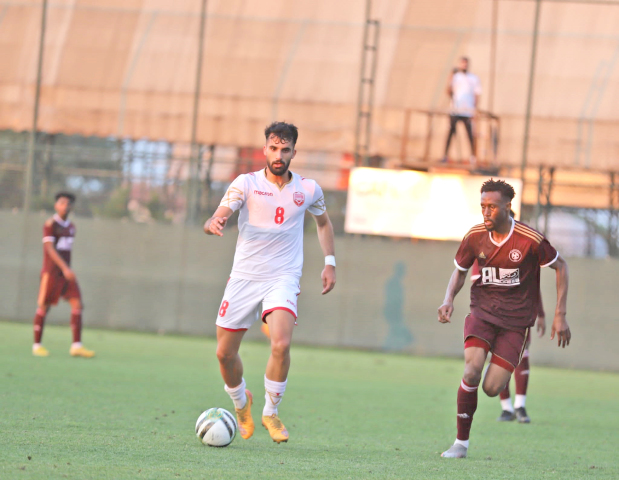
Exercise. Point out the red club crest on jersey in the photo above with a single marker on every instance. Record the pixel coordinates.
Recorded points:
(298, 198)
(515, 255)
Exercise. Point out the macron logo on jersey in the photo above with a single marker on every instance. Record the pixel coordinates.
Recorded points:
(508, 277)
(266, 194)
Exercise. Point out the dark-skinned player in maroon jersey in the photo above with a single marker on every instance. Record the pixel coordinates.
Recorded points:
(504, 300)
(57, 278)
(518, 411)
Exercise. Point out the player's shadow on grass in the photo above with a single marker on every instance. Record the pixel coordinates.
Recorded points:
(399, 335)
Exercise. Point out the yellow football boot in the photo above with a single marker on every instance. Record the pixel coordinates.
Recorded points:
(81, 352)
(244, 419)
(40, 351)
(276, 428)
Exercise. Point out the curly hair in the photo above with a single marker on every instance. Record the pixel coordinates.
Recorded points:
(501, 186)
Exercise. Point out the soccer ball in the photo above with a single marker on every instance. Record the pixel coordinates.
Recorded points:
(216, 427)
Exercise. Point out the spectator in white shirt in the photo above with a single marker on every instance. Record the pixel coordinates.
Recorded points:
(464, 89)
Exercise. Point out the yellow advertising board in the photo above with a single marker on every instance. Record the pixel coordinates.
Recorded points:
(406, 203)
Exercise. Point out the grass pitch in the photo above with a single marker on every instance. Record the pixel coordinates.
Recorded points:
(130, 413)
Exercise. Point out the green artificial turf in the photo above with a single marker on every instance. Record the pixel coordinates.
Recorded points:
(130, 413)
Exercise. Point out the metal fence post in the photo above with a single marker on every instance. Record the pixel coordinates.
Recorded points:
(194, 159)
(35, 116)
(30, 160)
(527, 118)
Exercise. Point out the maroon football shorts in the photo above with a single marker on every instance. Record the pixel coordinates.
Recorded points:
(54, 286)
(507, 346)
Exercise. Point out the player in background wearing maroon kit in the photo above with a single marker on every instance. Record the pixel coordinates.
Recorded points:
(517, 411)
(57, 278)
(504, 300)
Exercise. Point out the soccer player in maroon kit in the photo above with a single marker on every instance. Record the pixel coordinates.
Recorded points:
(504, 300)
(57, 278)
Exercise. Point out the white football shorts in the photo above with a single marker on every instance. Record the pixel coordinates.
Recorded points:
(241, 304)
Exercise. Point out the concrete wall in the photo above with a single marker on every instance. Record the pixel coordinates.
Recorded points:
(165, 278)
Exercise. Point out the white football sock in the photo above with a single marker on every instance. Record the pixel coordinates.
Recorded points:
(35, 346)
(237, 394)
(273, 396)
(464, 443)
(507, 405)
(519, 401)
(76, 344)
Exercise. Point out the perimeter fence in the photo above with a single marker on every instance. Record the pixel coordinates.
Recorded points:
(148, 110)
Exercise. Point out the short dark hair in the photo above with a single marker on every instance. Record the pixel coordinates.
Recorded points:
(282, 130)
(68, 195)
(501, 186)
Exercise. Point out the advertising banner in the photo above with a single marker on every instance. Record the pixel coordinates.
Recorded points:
(406, 203)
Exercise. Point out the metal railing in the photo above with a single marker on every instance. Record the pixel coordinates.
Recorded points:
(486, 130)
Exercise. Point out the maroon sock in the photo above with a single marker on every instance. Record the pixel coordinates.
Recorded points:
(76, 325)
(39, 321)
(504, 395)
(522, 375)
(467, 404)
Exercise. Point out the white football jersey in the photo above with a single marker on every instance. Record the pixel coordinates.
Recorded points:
(270, 242)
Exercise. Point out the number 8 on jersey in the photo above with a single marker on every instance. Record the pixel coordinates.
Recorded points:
(279, 215)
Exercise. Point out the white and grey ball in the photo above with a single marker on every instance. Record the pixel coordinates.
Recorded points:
(216, 427)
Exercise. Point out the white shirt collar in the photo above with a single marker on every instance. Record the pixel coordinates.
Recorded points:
(511, 230)
(63, 223)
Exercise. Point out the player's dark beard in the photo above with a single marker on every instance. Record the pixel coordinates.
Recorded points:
(280, 172)
(502, 222)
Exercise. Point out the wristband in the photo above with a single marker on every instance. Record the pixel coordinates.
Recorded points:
(330, 260)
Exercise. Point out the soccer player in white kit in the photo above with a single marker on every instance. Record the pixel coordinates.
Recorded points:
(268, 261)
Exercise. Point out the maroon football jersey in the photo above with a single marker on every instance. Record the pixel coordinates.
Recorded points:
(476, 274)
(61, 233)
(507, 292)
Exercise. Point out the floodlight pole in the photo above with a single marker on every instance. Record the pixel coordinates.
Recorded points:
(194, 159)
(35, 116)
(527, 119)
(192, 180)
(495, 8)
(30, 160)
